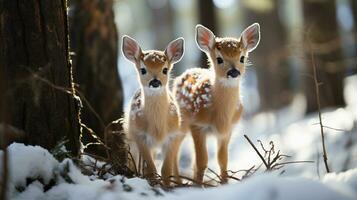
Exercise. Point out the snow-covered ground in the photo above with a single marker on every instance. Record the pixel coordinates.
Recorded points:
(36, 174)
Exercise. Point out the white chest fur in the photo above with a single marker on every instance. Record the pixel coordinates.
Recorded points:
(152, 142)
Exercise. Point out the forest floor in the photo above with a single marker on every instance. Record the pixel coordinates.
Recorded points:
(36, 174)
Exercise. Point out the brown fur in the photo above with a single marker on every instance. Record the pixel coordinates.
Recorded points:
(224, 109)
(153, 118)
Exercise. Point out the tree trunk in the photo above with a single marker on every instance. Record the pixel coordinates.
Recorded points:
(162, 24)
(269, 60)
(322, 27)
(352, 68)
(354, 11)
(95, 44)
(207, 17)
(36, 67)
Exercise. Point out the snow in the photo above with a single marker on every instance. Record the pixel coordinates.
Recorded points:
(72, 184)
(292, 133)
(29, 162)
(270, 186)
(341, 186)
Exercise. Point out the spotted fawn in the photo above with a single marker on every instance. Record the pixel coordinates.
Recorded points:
(209, 99)
(152, 121)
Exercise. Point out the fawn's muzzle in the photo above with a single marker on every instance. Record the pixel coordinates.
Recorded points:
(233, 73)
(155, 83)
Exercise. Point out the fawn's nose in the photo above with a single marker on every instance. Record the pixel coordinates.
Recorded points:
(155, 83)
(233, 73)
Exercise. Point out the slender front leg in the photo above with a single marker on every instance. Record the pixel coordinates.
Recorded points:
(176, 153)
(170, 165)
(199, 139)
(167, 166)
(223, 156)
(149, 165)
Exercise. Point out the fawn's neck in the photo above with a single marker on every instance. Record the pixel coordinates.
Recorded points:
(156, 109)
(157, 101)
(225, 95)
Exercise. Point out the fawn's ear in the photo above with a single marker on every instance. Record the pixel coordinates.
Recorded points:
(130, 48)
(251, 37)
(175, 50)
(205, 38)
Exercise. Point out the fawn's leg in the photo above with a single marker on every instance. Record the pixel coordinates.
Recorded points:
(168, 164)
(199, 139)
(176, 145)
(149, 165)
(223, 156)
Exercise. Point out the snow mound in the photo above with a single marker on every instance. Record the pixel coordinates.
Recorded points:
(66, 181)
(271, 186)
(29, 162)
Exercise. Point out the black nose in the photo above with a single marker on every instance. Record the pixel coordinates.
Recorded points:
(233, 73)
(155, 83)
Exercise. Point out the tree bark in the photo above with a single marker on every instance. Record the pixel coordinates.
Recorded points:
(272, 68)
(207, 17)
(354, 11)
(36, 67)
(322, 27)
(95, 44)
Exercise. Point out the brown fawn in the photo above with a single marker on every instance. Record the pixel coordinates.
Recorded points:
(153, 119)
(209, 99)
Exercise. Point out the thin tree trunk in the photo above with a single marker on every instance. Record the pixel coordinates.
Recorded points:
(36, 68)
(321, 26)
(95, 44)
(207, 17)
(354, 11)
(162, 24)
(273, 70)
(353, 67)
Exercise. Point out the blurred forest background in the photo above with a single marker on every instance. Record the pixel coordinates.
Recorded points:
(282, 68)
(44, 64)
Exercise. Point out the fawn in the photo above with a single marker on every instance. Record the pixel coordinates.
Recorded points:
(209, 99)
(153, 118)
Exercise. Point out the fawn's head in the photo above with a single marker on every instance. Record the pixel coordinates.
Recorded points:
(228, 55)
(153, 66)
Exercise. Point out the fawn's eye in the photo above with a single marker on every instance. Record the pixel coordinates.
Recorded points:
(242, 59)
(164, 71)
(219, 60)
(143, 71)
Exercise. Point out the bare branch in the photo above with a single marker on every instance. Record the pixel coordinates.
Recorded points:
(317, 92)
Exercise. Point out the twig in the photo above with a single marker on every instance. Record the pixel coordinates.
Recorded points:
(317, 92)
(94, 135)
(334, 129)
(196, 182)
(256, 150)
(292, 162)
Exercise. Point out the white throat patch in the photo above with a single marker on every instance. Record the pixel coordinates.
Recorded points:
(229, 82)
(151, 91)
